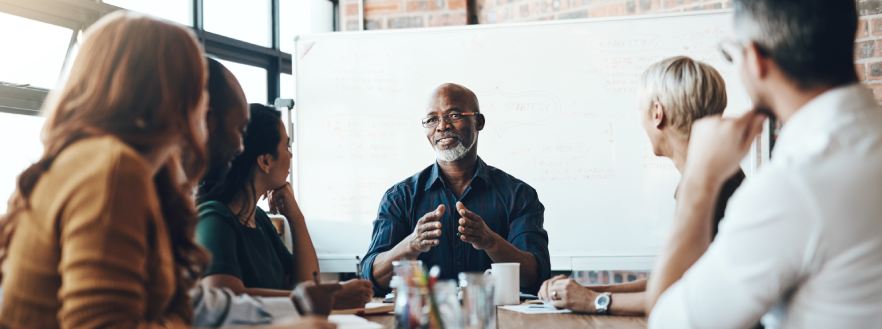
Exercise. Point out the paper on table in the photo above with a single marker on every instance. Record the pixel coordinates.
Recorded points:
(368, 309)
(279, 307)
(348, 321)
(378, 308)
(545, 308)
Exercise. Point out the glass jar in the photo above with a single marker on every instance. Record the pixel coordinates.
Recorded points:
(478, 309)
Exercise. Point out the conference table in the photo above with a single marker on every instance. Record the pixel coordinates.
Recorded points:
(506, 319)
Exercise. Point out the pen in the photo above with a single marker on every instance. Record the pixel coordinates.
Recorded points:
(357, 266)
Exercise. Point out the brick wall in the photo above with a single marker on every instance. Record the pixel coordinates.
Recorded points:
(504, 11)
(869, 45)
(396, 14)
(392, 14)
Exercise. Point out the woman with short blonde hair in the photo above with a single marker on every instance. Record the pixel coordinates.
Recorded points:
(683, 90)
(675, 93)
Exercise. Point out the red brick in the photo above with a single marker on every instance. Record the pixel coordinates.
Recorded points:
(456, 4)
(381, 7)
(866, 49)
(448, 19)
(608, 10)
(863, 29)
(404, 22)
(869, 7)
(351, 9)
(422, 5)
(874, 71)
(874, 27)
(861, 70)
(648, 6)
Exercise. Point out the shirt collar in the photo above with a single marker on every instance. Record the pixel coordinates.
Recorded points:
(435, 177)
(811, 128)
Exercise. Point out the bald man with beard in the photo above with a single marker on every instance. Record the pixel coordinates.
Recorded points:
(459, 213)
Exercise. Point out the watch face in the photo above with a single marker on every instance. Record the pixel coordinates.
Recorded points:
(603, 300)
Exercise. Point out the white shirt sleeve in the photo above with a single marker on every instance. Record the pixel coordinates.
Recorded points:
(279, 307)
(220, 307)
(755, 260)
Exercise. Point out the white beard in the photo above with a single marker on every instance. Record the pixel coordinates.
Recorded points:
(455, 153)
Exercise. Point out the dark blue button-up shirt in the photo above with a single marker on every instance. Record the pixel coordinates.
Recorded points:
(510, 207)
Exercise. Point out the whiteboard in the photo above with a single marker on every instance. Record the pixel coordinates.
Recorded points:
(560, 103)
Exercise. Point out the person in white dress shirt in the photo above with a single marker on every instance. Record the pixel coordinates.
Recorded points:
(801, 242)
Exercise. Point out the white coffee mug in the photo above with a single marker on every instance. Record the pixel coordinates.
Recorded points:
(507, 280)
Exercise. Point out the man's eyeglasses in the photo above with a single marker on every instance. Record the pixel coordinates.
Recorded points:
(432, 121)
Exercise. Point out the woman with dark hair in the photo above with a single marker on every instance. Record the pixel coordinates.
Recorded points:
(247, 254)
(105, 218)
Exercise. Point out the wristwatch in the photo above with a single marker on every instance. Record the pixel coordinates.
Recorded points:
(602, 302)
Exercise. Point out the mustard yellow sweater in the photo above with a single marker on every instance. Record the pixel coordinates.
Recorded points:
(92, 251)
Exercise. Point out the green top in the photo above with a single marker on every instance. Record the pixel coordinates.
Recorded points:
(257, 256)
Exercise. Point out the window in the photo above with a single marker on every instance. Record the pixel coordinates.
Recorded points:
(34, 53)
(249, 21)
(180, 11)
(24, 130)
(252, 78)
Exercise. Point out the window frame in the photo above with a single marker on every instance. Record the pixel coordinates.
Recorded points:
(77, 15)
(273, 59)
(28, 100)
